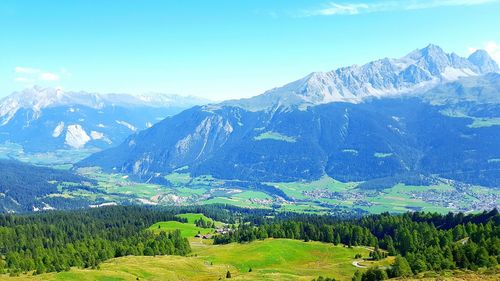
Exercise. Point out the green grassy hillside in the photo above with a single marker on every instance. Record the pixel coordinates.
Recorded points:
(272, 259)
(283, 259)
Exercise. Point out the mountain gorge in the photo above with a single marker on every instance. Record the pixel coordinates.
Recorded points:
(427, 115)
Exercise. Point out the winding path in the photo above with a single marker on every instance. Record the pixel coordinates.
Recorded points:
(356, 264)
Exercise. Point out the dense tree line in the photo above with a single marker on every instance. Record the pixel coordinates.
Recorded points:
(56, 241)
(204, 223)
(345, 232)
(321, 278)
(222, 212)
(458, 241)
(450, 245)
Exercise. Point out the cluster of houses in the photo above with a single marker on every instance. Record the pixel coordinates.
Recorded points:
(219, 230)
(203, 236)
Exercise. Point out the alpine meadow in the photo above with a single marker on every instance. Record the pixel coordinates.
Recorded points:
(322, 140)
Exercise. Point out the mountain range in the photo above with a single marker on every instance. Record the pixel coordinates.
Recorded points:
(48, 119)
(427, 114)
(419, 70)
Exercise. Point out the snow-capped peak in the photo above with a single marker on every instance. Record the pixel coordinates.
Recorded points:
(417, 70)
(483, 61)
(37, 98)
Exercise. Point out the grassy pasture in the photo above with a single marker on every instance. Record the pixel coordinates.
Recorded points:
(271, 259)
(188, 230)
(274, 136)
(284, 259)
(145, 268)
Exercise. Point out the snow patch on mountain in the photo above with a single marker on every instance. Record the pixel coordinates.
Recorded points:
(453, 74)
(58, 130)
(96, 135)
(7, 110)
(128, 125)
(76, 137)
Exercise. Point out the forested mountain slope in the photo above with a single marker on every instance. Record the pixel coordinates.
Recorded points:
(447, 126)
(26, 187)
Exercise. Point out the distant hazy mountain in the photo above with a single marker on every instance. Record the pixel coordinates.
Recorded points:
(429, 113)
(45, 119)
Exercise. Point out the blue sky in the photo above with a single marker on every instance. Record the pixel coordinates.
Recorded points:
(222, 49)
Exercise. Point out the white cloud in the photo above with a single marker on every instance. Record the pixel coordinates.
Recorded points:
(47, 76)
(343, 9)
(35, 75)
(346, 8)
(492, 48)
(26, 70)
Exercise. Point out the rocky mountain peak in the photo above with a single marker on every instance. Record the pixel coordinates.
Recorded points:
(417, 71)
(483, 61)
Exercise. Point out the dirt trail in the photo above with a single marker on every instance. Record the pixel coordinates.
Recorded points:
(356, 264)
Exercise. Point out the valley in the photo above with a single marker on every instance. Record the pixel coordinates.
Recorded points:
(399, 135)
(325, 195)
(322, 196)
(320, 140)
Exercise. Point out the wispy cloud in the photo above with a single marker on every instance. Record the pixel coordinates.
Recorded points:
(33, 75)
(350, 8)
(26, 70)
(492, 48)
(47, 76)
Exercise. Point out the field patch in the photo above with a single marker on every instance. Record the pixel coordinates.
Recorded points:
(189, 229)
(484, 122)
(274, 136)
(382, 155)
